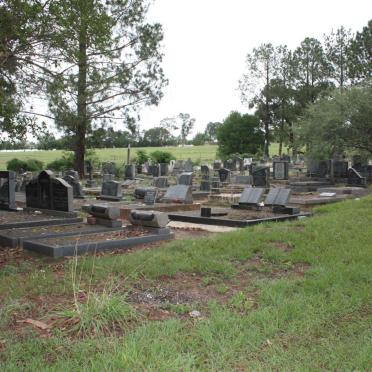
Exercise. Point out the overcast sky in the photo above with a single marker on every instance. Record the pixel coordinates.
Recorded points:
(206, 41)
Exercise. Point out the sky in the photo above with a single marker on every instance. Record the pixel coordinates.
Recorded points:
(206, 42)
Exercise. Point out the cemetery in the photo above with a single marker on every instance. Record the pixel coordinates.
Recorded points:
(161, 210)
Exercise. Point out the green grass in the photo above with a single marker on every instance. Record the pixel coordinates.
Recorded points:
(319, 320)
(206, 153)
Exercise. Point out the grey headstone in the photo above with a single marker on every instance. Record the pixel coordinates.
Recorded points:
(278, 196)
(154, 170)
(160, 182)
(129, 172)
(108, 177)
(111, 190)
(188, 166)
(205, 185)
(185, 179)
(150, 197)
(77, 190)
(251, 195)
(178, 194)
(163, 169)
(261, 176)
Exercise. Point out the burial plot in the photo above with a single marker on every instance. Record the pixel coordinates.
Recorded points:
(355, 178)
(49, 193)
(123, 238)
(261, 176)
(111, 190)
(178, 194)
(7, 190)
(185, 179)
(280, 170)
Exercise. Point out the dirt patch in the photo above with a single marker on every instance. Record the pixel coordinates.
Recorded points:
(282, 246)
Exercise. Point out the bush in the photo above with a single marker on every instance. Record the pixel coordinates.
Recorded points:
(66, 162)
(162, 156)
(18, 165)
(142, 157)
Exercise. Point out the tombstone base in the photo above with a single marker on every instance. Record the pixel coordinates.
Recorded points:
(108, 198)
(52, 212)
(279, 209)
(108, 223)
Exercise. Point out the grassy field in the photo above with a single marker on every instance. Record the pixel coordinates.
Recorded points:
(206, 153)
(286, 296)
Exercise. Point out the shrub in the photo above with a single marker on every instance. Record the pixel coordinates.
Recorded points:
(142, 157)
(18, 165)
(161, 156)
(66, 162)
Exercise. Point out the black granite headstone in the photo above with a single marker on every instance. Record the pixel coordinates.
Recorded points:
(280, 170)
(261, 176)
(129, 172)
(355, 178)
(49, 192)
(7, 190)
(278, 196)
(150, 197)
(224, 175)
(160, 182)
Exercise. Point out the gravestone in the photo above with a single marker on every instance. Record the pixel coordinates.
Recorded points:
(178, 167)
(224, 175)
(25, 179)
(140, 192)
(108, 177)
(49, 192)
(77, 190)
(188, 166)
(72, 173)
(261, 176)
(108, 167)
(278, 196)
(280, 170)
(160, 182)
(205, 185)
(89, 168)
(178, 194)
(319, 169)
(150, 197)
(217, 164)
(172, 163)
(129, 172)
(355, 178)
(163, 169)
(105, 215)
(229, 164)
(243, 180)
(251, 196)
(185, 179)
(7, 190)
(340, 169)
(154, 170)
(111, 190)
(215, 183)
(204, 170)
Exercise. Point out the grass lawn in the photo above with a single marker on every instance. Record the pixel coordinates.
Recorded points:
(206, 153)
(285, 296)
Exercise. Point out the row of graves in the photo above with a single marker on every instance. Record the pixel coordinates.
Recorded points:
(49, 224)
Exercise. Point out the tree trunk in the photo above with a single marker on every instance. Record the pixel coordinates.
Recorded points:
(82, 120)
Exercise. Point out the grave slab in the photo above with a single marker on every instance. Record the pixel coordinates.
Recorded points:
(125, 238)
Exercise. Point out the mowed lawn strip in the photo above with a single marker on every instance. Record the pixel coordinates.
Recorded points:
(201, 154)
(318, 317)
